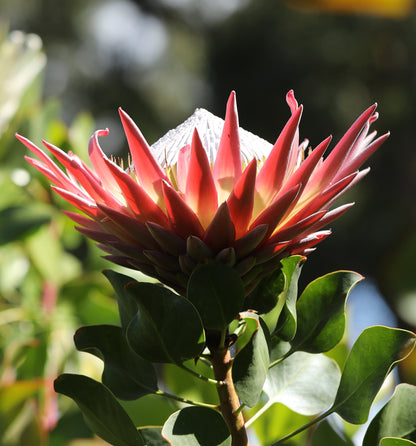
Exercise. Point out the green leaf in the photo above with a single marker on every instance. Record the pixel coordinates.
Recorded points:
(326, 434)
(246, 328)
(127, 305)
(267, 295)
(152, 436)
(305, 383)
(102, 412)
(217, 292)
(391, 441)
(126, 374)
(396, 419)
(250, 368)
(267, 430)
(166, 328)
(287, 325)
(371, 358)
(197, 426)
(321, 312)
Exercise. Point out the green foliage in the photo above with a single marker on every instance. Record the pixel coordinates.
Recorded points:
(126, 374)
(217, 292)
(127, 305)
(396, 419)
(326, 435)
(196, 426)
(250, 368)
(321, 312)
(371, 358)
(267, 371)
(152, 436)
(390, 441)
(305, 383)
(166, 328)
(102, 412)
(286, 321)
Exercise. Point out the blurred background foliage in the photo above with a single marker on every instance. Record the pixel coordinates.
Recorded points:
(65, 68)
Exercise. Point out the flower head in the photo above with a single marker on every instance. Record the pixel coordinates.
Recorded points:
(210, 190)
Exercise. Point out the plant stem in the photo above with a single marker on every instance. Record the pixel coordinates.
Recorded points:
(198, 375)
(183, 400)
(229, 403)
(301, 429)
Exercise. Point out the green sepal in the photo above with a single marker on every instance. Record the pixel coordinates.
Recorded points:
(250, 367)
(125, 373)
(197, 426)
(217, 292)
(396, 419)
(377, 350)
(102, 412)
(321, 312)
(166, 328)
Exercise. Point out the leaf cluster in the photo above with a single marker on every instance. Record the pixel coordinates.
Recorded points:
(278, 340)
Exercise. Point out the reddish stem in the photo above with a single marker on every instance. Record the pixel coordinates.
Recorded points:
(229, 403)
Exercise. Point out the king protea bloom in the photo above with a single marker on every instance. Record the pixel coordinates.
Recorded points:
(210, 190)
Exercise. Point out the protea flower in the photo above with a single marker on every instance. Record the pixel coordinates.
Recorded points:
(210, 190)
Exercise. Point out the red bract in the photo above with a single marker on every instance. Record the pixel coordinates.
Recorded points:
(210, 190)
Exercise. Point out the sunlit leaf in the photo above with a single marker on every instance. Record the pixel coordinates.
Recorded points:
(247, 326)
(250, 368)
(305, 383)
(396, 419)
(287, 321)
(321, 312)
(197, 426)
(371, 358)
(391, 441)
(268, 431)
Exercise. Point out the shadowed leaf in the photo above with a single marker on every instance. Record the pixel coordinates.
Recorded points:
(102, 412)
(126, 374)
(217, 292)
(166, 328)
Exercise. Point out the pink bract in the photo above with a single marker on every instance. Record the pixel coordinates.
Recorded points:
(210, 194)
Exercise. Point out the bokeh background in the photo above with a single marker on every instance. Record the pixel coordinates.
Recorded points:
(65, 68)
